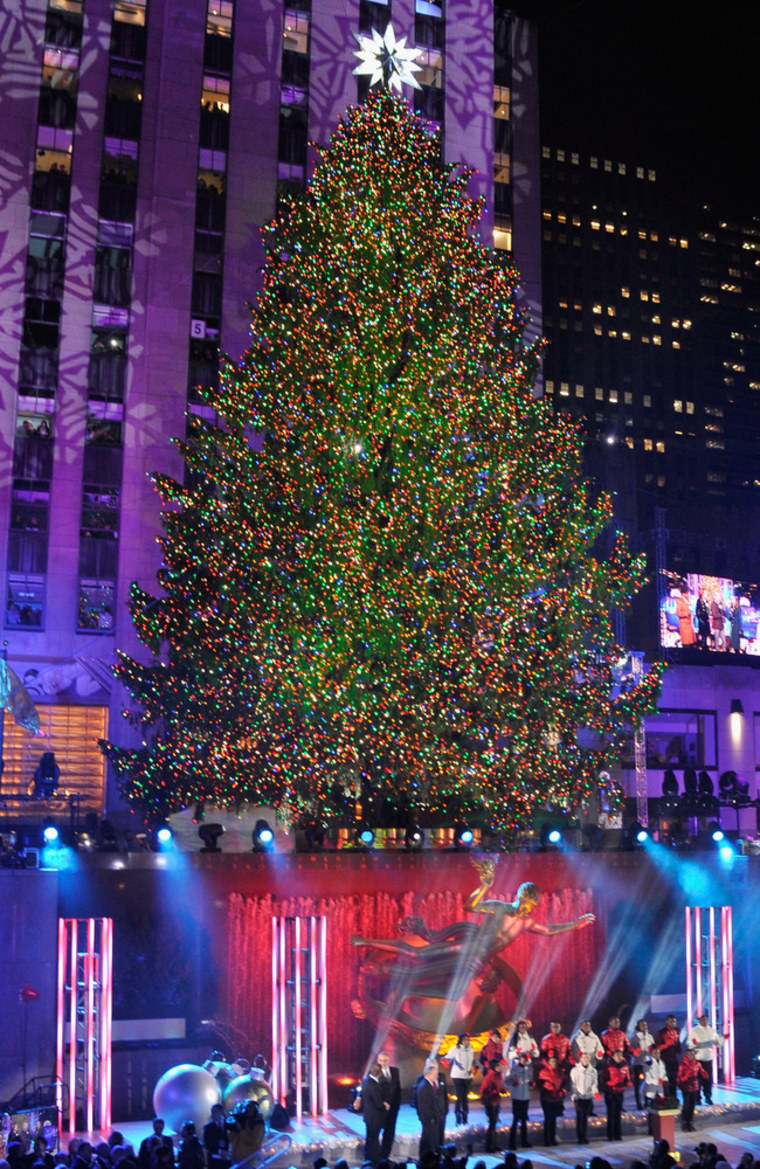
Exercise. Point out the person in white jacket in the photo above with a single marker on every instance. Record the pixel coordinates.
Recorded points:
(641, 1043)
(584, 1085)
(522, 1042)
(704, 1039)
(655, 1082)
(587, 1040)
(461, 1059)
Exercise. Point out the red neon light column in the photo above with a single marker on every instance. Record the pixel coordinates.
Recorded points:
(83, 1024)
(710, 976)
(299, 1019)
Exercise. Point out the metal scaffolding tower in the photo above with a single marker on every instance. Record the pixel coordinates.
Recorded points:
(83, 1046)
(299, 1013)
(710, 976)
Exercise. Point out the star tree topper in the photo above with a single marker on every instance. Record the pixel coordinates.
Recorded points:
(387, 60)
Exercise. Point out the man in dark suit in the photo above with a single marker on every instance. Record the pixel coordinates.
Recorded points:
(216, 1140)
(375, 1111)
(390, 1085)
(432, 1106)
(151, 1148)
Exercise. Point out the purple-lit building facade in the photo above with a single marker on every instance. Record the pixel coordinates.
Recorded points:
(144, 144)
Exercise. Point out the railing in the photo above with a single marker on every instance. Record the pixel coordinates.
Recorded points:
(263, 1156)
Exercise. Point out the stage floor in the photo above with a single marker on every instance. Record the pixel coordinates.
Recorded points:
(732, 1123)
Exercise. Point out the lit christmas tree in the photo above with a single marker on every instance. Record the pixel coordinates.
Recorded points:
(381, 593)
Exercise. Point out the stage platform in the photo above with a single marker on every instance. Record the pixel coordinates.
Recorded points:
(732, 1123)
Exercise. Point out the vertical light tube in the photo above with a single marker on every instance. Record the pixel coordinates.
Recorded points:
(91, 975)
(73, 997)
(730, 1067)
(106, 1012)
(699, 962)
(283, 1008)
(712, 1013)
(275, 1021)
(314, 1080)
(298, 1013)
(689, 963)
(323, 1014)
(60, 1009)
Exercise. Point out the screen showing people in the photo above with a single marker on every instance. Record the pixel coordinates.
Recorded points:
(710, 614)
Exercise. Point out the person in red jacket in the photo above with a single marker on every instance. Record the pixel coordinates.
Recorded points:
(614, 1039)
(491, 1049)
(690, 1073)
(668, 1040)
(490, 1094)
(552, 1082)
(556, 1043)
(617, 1078)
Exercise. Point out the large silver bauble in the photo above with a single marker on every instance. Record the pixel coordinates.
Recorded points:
(185, 1092)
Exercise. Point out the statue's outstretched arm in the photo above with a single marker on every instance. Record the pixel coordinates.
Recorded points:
(562, 927)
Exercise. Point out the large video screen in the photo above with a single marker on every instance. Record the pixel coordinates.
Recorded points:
(710, 614)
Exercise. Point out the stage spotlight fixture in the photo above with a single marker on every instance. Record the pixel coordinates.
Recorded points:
(551, 836)
(737, 707)
(718, 834)
(314, 835)
(727, 783)
(210, 834)
(669, 783)
(365, 835)
(463, 836)
(706, 785)
(690, 780)
(633, 836)
(163, 835)
(262, 837)
(414, 838)
(50, 833)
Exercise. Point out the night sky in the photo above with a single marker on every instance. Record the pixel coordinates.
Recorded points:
(669, 85)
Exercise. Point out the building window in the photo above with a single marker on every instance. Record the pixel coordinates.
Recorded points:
(296, 32)
(502, 239)
(96, 605)
(71, 732)
(25, 606)
(681, 738)
(219, 18)
(501, 99)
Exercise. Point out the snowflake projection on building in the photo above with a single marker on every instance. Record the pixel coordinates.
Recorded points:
(387, 61)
